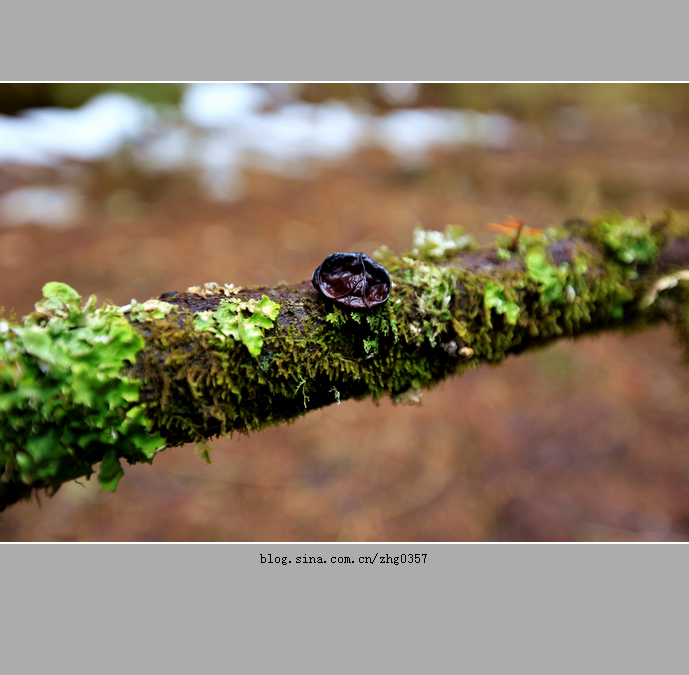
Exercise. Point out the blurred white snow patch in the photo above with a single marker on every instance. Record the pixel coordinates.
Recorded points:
(217, 105)
(285, 141)
(58, 207)
(411, 134)
(225, 127)
(168, 150)
(300, 130)
(91, 132)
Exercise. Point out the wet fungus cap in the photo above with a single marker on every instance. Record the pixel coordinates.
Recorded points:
(352, 281)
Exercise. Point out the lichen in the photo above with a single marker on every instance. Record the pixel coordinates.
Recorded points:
(64, 404)
(550, 279)
(662, 284)
(495, 299)
(242, 321)
(433, 245)
(151, 309)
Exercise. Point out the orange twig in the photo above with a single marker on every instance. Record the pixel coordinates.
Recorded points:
(510, 226)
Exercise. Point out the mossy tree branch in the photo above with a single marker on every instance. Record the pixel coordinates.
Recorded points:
(80, 386)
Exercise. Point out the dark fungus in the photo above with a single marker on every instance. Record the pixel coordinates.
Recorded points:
(352, 281)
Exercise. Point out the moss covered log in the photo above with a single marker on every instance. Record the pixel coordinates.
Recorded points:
(81, 386)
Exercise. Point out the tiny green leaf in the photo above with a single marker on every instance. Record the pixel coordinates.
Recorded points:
(512, 312)
(548, 277)
(258, 319)
(204, 321)
(38, 342)
(251, 336)
(268, 308)
(62, 292)
(110, 471)
(494, 298)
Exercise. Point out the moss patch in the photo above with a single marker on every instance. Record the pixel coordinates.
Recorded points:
(630, 240)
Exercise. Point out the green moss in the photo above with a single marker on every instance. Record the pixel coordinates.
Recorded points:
(631, 240)
(379, 322)
(64, 405)
(425, 295)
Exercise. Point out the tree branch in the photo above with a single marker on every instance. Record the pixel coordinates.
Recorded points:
(80, 386)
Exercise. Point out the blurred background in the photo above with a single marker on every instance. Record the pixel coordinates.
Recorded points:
(129, 191)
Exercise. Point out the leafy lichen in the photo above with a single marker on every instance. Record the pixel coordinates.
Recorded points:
(64, 404)
(435, 246)
(495, 299)
(145, 311)
(550, 279)
(243, 321)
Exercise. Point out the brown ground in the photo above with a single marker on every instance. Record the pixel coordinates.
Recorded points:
(584, 441)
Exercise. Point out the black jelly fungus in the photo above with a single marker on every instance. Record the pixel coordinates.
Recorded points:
(352, 281)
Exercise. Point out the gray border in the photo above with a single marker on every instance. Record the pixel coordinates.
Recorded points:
(261, 42)
(471, 608)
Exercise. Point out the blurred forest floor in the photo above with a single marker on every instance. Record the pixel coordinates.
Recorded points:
(583, 441)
